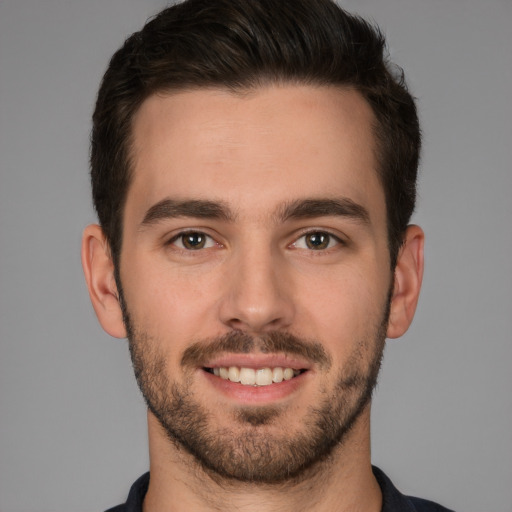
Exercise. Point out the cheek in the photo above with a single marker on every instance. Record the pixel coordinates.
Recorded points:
(339, 306)
(345, 309)
(166, 304)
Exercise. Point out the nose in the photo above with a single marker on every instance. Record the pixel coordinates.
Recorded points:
(257, 292)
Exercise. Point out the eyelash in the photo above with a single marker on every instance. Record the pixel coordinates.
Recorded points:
(331, 238)
(183, 234)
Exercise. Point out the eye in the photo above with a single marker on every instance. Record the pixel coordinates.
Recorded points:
(316, 241)
(193, 241)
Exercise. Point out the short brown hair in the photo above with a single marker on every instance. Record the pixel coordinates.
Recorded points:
(244, 44)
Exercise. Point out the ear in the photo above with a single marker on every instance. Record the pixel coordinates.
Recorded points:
(99, 276)
(407, 282)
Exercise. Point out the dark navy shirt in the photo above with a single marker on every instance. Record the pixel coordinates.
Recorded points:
(392, 499)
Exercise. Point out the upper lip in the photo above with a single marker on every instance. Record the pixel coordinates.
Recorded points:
(258, 360)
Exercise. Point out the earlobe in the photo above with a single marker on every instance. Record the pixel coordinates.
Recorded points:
(407, 282)
(99, 276)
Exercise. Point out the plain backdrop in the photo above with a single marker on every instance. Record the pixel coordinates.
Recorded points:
(72, 422)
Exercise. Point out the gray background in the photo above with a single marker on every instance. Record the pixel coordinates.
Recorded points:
(72, 423)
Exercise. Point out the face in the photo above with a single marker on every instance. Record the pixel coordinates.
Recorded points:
(255, 273)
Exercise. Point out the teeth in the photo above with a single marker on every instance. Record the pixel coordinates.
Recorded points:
(263, 377)
(288, 374)
(233, 374)
(277, 374)
(247, 376)
(258, 377)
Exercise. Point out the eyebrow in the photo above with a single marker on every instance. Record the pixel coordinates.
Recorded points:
(197, 208)
(295, 210)
(311, 208)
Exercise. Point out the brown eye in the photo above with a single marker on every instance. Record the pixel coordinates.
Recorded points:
(317, 241)
(193, 241)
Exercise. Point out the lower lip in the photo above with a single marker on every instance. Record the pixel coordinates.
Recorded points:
(255, 394)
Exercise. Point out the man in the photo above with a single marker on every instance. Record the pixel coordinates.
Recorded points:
(253, 168)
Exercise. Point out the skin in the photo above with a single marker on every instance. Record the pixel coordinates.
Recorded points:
(257, 153)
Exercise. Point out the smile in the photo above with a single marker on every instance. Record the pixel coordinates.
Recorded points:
(254, 376)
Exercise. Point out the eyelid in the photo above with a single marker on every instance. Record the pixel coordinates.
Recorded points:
(183, 232)
(311, 231)
(340, 240)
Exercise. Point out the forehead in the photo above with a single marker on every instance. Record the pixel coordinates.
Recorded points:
(259, 147)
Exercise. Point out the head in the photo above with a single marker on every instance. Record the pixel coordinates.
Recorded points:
(241, 46)
(253, 168)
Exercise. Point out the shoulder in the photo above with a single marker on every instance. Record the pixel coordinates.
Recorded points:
(135, 496)
(394, 501)
(421, 505)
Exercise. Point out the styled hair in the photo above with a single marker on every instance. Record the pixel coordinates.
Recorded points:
(242, 45)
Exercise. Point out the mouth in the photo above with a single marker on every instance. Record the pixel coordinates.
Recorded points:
(256, 377)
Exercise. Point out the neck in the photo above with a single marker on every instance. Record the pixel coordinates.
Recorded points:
(343, 482)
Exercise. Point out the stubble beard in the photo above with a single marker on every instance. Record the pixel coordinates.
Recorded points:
(247, 453)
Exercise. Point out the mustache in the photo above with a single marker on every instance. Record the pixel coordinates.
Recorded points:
(273, 342)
